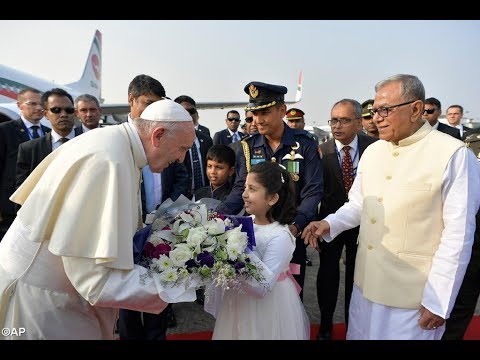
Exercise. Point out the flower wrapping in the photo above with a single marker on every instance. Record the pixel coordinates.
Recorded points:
(190, 245)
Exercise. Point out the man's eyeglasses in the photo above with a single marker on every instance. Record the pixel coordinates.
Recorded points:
(58, 110)
(32, 103)
(342, 121)
(383, 111)
(249, 119)
(367, 117)
(429, 111)
(192, 111)
(233, 119)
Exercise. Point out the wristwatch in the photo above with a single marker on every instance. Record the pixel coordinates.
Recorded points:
(299, 231)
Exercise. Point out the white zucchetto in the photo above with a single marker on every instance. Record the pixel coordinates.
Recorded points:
(165, 110)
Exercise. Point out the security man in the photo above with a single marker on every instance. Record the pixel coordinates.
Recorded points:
(296, 120)
(295, 149)
(369, 127)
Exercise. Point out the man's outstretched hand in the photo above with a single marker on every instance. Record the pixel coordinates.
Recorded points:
(312, 234)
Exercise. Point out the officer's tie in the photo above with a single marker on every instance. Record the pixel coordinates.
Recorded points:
(35, 133)
(347, 168)
(235, 137)
(197, 170)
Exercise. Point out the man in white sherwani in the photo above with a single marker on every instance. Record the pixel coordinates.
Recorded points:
(66, 263)
(415, 197)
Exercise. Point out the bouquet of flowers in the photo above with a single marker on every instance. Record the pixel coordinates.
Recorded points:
(189, 243)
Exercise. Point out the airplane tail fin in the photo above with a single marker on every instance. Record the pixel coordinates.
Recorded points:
(298, 94)
(91, 80)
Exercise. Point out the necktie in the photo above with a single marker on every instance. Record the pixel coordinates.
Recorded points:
(63, 140)
(347, 168)
(35, 133)
(197, 171)
(235, 137)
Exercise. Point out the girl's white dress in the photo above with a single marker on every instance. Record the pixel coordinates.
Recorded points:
(259, 313)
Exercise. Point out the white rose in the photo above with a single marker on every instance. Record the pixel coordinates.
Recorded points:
(215, 226)
(236, 242)
(180, 255)
(195, 238)
(209, 244)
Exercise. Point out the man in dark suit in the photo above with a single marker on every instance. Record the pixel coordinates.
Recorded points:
(454, 118)
(144, 90)
(12, 134)
(231, 133)
(190, 105)
(135, 325)
(58, 108)
(87, 109)
(346, 125)
(431, 112)
(201, 145)
(250, 129)
(467, 298)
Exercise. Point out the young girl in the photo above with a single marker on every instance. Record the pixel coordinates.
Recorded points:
(276, 311)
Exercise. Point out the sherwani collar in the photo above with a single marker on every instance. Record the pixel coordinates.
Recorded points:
(417, 136)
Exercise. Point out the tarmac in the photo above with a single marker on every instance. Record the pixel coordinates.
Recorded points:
(192, 318)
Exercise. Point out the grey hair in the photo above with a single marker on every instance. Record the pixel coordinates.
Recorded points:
(411, 86)
(357, 108)
(147, 126)
(86, 98)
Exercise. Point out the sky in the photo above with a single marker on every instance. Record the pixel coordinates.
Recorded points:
(212, 60)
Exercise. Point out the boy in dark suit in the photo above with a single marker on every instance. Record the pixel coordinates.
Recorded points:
(220, 172)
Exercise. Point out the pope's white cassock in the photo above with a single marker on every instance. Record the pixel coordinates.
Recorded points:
(66, 263)
(415, 202)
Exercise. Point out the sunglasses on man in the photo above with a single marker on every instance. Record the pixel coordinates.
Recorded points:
(429, 111)
(58, 110)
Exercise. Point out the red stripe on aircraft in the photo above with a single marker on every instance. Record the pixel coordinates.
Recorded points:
(11, 94)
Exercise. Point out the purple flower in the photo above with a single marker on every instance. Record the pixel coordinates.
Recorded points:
(239, 265)
(190, 264)
(206, 258)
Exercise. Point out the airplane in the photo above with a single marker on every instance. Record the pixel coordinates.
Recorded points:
(12, 81)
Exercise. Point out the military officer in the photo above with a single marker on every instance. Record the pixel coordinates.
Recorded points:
(473, 142)
(296, 120)
(369, 127)
(293, 148)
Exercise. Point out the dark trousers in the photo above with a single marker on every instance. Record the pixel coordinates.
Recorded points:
(135, 325)
(5, 225)
(328, 276)
(464, 308)
(300, 257)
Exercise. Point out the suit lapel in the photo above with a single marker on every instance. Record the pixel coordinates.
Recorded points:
(331, 159)
(46, 145)
(21, 130)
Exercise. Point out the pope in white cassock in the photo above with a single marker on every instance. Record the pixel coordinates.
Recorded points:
(415, 197)
(66, 263)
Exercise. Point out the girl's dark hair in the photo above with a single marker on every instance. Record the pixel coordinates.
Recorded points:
(276, 179)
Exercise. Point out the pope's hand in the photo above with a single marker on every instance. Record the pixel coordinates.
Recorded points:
(314, 231)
